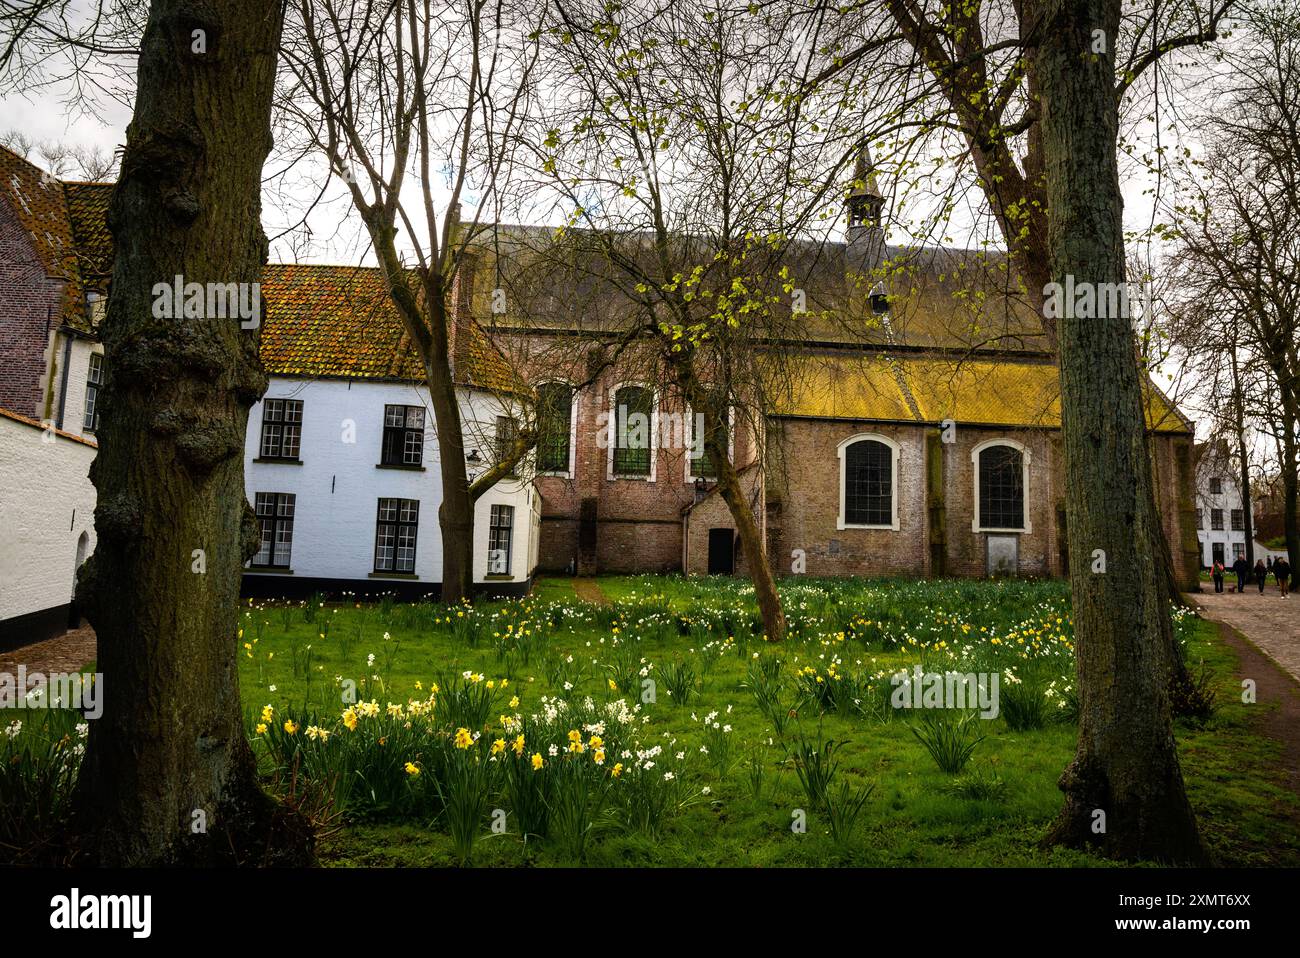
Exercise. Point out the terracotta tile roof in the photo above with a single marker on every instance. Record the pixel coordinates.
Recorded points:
(320, 320)
(36, 424)
(1003, 393)
(38, 200)
(88, 211)
(340, 321)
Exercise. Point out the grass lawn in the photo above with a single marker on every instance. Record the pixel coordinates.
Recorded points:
(713, 730)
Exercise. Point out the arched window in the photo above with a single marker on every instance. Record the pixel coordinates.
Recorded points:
(554, 426)
(633, 428)
(868, 483)
(1001, 479)
(713, 417)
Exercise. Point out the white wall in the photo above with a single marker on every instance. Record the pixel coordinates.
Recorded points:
(338, 484)
(74, 409)
(46, 503)
(1228, 499)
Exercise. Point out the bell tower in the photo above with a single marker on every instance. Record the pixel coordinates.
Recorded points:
(865, 202)
(865, 246)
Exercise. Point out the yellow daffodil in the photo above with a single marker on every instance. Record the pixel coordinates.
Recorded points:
(538, 762)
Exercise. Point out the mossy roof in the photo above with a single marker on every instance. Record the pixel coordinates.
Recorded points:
(1006, 393)
(340, 321)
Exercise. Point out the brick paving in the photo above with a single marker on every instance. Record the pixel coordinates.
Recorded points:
(1269, 621)
(69, 652)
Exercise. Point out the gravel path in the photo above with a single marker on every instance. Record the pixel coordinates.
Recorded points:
(1271, 622)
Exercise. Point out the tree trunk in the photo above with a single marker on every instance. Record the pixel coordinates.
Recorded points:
(1290, 482)
(456, 512)
(1243, 454)
(1124, 791)
(751, 540)
(428, 321)
(168, 775)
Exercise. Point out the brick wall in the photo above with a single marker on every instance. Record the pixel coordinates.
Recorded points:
(638, 521)
(639, 524)
(966, 553)
(712, 512)
(804, 489)
(28, 298)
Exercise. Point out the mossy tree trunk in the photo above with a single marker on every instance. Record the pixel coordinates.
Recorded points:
(1124, 792)
(168, 775)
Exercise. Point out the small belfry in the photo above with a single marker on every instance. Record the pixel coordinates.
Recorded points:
(865, 202)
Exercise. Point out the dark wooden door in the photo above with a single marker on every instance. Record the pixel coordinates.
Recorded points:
(722, 558)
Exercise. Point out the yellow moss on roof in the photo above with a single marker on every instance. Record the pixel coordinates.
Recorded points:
(1006, 393)
(839, 387)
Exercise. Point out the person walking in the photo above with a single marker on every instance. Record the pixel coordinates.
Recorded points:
(1241, 569)
(1216, 571)
(1261, 574)
(1282, 572)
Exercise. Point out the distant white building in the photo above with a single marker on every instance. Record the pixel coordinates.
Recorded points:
(1220, 509)
(341, 454)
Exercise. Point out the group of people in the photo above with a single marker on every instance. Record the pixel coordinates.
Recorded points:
(1279, 570)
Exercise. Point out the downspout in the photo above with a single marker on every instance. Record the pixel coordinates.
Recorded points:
(63, 378)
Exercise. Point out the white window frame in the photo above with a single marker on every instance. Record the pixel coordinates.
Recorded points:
(611, 424)
(573, 429)
(896, 454)
(690, 442)
(1026, 457)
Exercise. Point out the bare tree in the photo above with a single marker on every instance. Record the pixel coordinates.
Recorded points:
(1237, 231)
(692, 176)
(401, 97)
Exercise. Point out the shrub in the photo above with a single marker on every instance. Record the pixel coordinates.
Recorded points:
(1023, 703)
(949, 739)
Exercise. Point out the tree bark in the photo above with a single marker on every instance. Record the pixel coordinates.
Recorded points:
(751, 539)
(1243, 454)
(1126, 765)
(168, 775)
